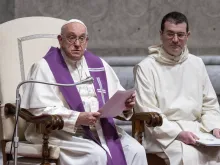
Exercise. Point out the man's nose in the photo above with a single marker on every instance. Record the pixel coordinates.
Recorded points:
(77, 43)
(175, 38)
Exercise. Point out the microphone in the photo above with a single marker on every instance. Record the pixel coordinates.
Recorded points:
(18, 100)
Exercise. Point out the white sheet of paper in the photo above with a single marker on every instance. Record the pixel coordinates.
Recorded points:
(116, 104)
(208, 139)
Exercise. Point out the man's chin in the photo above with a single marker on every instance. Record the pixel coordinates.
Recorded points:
(176, 52)
(76, 57)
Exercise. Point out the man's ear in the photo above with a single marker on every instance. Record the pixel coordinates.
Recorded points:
(59, 37)
(86, 44)
(188, 34)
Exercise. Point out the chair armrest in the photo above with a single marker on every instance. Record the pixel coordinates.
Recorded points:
(43, 122)
(44, 125)
(152, 119)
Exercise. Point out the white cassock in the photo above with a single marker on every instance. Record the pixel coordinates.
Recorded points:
(180, 90)
(44, 99)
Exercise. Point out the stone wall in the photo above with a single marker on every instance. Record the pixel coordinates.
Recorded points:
(126, 27)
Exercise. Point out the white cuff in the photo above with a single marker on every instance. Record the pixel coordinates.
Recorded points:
(70, 124)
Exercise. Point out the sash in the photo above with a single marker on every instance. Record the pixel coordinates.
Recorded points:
(62, 75)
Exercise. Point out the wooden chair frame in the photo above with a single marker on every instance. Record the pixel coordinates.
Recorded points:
(47, 123)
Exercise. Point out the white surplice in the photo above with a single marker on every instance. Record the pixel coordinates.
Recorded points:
(75, 149)
(180, 90)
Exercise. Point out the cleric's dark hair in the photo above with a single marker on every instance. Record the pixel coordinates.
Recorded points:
(174, 17)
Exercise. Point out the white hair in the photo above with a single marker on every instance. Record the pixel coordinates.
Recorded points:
(73, 21)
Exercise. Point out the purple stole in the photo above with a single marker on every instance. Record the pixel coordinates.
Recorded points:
(62, 75)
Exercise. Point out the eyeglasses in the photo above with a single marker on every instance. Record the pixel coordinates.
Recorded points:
(180, 35)
(72, 39)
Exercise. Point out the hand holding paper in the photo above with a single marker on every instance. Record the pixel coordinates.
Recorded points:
(116, 104)
(130, 102)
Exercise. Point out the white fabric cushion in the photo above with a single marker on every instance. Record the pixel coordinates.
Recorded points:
(33, 150)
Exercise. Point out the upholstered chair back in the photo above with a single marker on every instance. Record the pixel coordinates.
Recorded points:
(23, 42)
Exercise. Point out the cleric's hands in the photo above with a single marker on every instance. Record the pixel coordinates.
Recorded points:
(216, 132)
(187, 137)
(87, 118)
(130, 102)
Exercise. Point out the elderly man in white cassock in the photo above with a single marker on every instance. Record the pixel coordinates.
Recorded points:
(175, 83)
(85, 138)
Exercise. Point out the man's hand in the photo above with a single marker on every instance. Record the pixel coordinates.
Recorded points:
(187, 137)
(87, 118)
(216, 132)
(130, 102)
